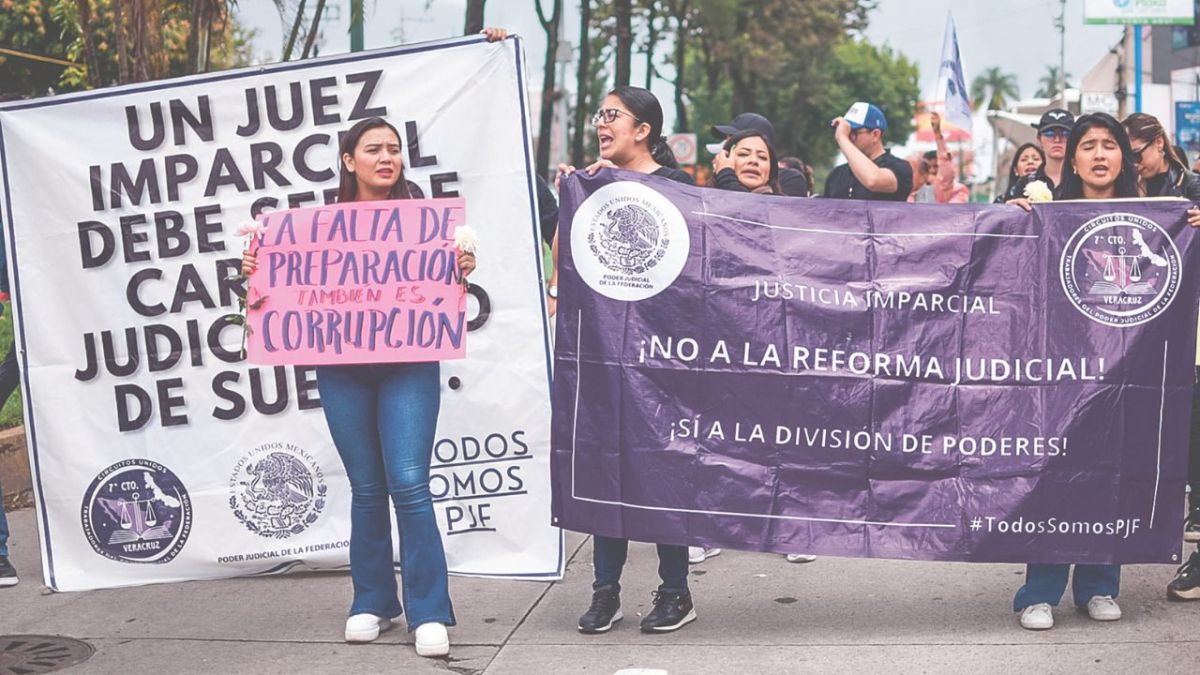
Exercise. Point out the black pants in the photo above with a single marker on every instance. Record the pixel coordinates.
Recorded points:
(10, 375)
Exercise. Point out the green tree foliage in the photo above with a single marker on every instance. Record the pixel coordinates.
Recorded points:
(798, 63)
(52, 28)
(30, 26)
(994, 87)
(1048, 84)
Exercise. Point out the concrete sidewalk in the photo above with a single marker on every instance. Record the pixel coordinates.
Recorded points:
(758, 614)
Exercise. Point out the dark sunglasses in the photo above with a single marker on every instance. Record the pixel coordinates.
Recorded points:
(1137, 154)
(1054, 134)
(610, 115)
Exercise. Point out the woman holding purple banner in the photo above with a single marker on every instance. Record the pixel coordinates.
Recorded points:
(1099, 164)
(629, 130)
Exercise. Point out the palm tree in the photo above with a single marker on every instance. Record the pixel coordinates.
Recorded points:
(995, 87)
(1048, 85)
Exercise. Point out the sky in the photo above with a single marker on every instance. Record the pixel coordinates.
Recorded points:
(1017, 35)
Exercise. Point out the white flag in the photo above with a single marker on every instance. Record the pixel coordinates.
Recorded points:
(951, 84)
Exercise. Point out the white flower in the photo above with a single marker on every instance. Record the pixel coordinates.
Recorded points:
(1037, 191)
(466, 239)
(255, 230)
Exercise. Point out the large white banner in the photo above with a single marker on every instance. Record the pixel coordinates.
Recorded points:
(158, 454)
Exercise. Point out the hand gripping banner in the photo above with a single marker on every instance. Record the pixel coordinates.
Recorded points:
(158, 453)
(869, 379)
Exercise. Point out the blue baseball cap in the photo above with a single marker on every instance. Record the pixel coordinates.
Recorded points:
(863, 115)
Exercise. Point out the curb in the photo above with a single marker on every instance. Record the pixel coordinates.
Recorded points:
(15, 480)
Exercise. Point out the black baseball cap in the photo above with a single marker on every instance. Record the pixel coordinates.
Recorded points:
(1056, 118)
(746, 120)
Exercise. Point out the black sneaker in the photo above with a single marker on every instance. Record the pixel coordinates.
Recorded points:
(1186, 584)
(672, 611)
(604, 612)
(8, 573)
(1191, 528)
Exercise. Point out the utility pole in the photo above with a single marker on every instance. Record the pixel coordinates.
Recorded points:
(1061, 24)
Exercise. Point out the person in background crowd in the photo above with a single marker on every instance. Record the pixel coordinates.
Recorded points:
(791, 182)
(9, 379)
(629, 129)
(1026, 166)
(870, 171)
(1161, 171)
(547, 210)
(941, 175)
(924, 175)
(747, 164)
(1098, 164)
(789, 164)
(1164, 173)
(1053, 129)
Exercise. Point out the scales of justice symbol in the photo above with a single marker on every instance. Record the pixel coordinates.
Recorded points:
(1122, 272)
(136, 517)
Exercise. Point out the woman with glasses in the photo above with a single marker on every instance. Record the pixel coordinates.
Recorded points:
(629, 130)
(1162, 172)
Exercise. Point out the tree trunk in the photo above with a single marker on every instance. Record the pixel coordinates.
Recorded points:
(89, 43)
(291, 40)
(550, 25)
(197, 44)
(651, 42)
(121, 29)
(681, 28)
(474, 19)
(624, 14)
(312, 31)
(582, 82)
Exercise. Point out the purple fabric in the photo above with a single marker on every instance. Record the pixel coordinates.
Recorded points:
(1111, 493)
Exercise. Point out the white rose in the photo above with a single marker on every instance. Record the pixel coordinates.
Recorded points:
(1037, 191)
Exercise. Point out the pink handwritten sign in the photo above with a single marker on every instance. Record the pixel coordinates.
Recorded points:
(364, 282)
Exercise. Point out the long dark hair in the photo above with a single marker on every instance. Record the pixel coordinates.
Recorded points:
(1012, 168)
(773, 176)
(646, 108)
(1127, 180)
(347, 182)
(1147, 129)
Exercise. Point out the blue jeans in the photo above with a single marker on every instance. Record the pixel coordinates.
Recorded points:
(383, 418)
(1046, 583)
(608, 556)
(3, 527)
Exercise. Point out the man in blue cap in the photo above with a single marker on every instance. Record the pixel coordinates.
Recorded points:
(870, 171)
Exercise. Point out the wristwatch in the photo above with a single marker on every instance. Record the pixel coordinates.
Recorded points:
(552, 291)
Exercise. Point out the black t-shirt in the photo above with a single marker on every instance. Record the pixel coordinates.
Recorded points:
(843, 184)
(677, 175)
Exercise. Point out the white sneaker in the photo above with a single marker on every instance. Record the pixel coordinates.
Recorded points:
(1037, 617)
(432, 640)
(365, 627)
(800, 558)
(1103, 608)
(698, 554)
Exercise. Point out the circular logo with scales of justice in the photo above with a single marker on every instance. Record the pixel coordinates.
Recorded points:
(1120, 269)
(137, 511)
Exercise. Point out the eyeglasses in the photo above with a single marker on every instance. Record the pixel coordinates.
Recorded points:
(1054, 134)
(609, 115)
(1137, 154)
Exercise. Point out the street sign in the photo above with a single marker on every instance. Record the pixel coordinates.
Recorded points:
(684, 147)
(1176, 12)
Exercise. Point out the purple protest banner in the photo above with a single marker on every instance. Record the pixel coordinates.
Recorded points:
(935, 382)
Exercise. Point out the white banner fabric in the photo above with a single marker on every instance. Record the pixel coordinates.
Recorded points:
(158, 454)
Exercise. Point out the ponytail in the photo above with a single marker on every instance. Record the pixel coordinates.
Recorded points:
(662, 153)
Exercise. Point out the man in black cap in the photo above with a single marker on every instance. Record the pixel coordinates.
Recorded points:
(791, 182)
(1053, 129)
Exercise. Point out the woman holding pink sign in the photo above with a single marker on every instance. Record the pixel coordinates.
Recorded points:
(382, 418)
